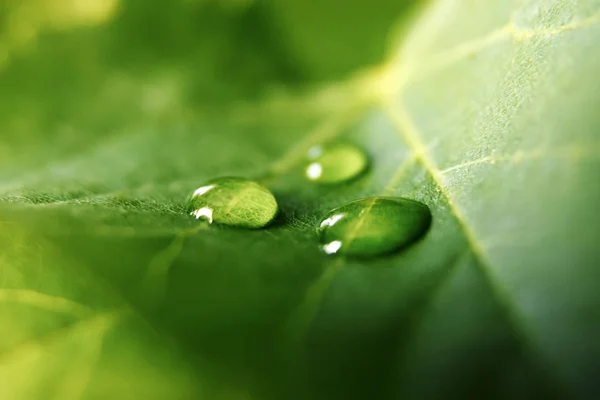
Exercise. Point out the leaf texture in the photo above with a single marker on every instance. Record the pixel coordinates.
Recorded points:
(485, 112)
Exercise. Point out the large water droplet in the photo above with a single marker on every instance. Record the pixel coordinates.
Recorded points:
(335, 162)
(373, 226)
(233, 201)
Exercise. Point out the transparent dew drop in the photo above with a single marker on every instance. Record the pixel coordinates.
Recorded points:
(373, 226)
(233, 201)
(335, 163)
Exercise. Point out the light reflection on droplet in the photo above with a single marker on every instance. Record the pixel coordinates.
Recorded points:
(332, 220)
(200, 191)
(315, 151)
(314, 171)
(333, 247)
(204, 213)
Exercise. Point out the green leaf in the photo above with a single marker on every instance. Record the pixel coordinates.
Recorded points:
(485, 112)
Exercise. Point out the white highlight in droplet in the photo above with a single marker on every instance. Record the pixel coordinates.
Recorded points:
(202, 190)
(204, 213)
(315, 151)
(332, 220)
(314, 171)
(332, 247)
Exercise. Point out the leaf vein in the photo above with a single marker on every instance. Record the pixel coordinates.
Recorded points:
(571, 153)
(409, 132)
(461, 51)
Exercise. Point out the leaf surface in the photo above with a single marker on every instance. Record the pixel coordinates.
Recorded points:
(485, 112)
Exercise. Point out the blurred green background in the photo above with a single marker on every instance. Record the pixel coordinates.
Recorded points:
(101, 65)
(215, 49)
(76, 75)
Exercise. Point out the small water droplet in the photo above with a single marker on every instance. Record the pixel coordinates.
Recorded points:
(233, 201)
(373, 226)
(335, 163)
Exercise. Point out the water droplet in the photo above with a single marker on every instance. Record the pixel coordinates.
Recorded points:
(233, 201)
(335, 163)
(373, 226)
